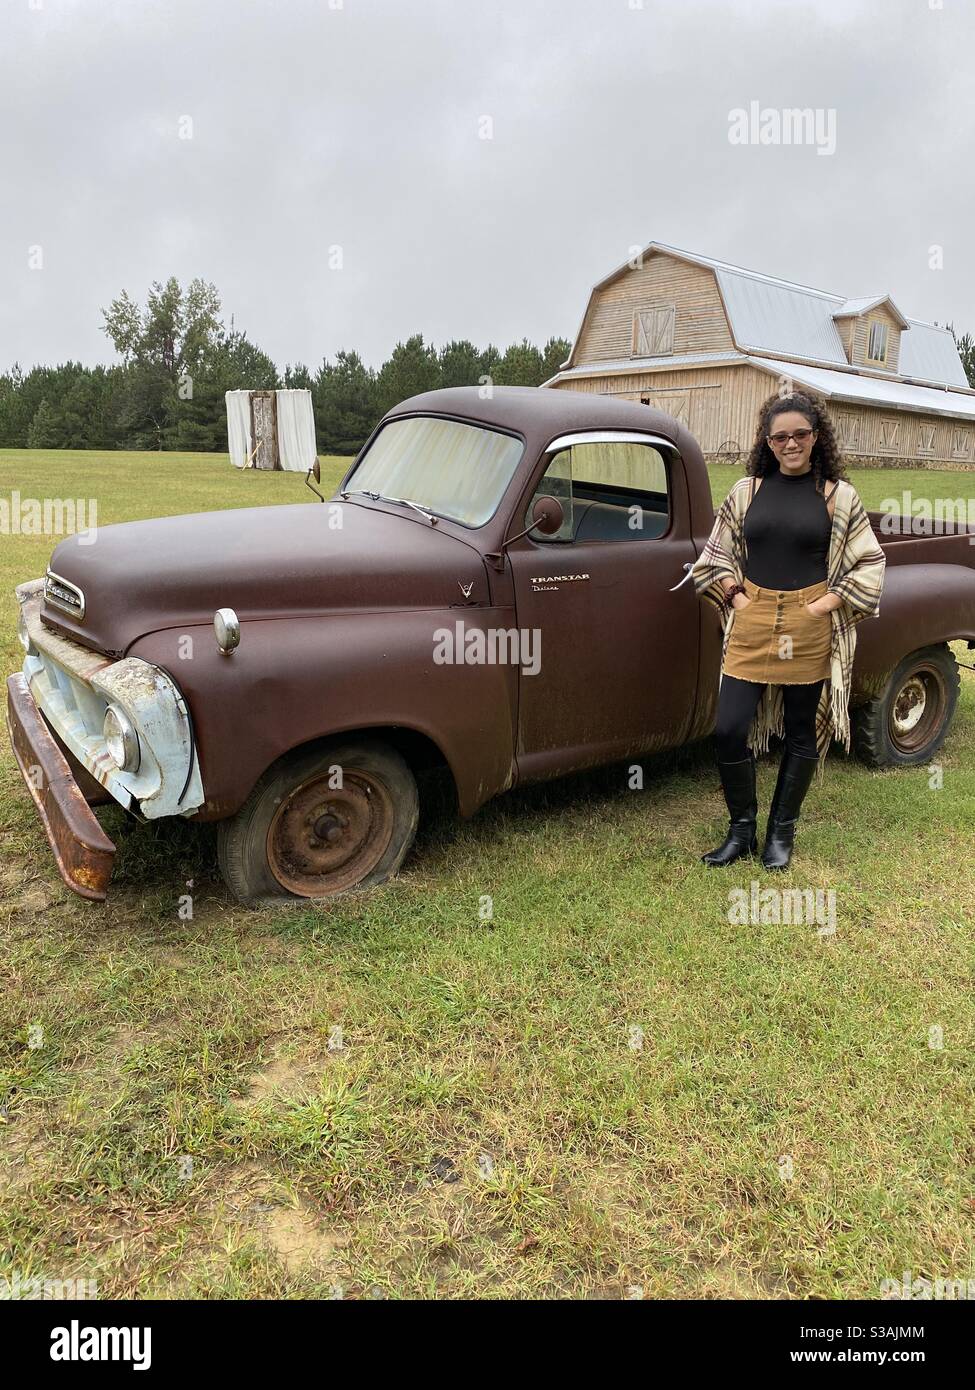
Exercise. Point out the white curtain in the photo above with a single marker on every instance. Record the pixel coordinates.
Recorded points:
(239, 426)
(296, 431)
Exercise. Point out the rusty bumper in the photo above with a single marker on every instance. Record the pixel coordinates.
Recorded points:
(83, 852)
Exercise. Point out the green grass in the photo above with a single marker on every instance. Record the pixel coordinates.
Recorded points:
(185, 1128)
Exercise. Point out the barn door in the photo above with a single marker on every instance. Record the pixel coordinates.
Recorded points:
(264, 429)
(676, 403)
(705, 422)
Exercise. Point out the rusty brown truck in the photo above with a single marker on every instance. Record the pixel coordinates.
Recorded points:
(490, 590)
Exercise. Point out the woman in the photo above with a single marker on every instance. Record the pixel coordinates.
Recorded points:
(792, 565)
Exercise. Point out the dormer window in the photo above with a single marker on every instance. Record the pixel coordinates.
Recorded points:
(877, 342)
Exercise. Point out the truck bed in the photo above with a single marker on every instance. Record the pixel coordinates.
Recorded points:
(926, 543)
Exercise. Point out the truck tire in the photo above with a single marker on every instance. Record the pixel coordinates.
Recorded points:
(909, 721)
(320, 822)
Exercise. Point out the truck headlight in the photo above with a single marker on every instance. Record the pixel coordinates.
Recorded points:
(121, 740)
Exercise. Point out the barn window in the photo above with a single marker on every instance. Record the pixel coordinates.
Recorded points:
(849, 430)
(877, 342)
(925, 445)
(653, 331)
(889, 435)
(961, 442)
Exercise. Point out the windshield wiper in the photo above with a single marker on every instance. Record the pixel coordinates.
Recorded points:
(402, 501)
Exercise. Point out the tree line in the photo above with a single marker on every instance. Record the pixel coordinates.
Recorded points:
(178, 358)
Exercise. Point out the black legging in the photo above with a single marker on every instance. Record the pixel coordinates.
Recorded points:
(737, 703)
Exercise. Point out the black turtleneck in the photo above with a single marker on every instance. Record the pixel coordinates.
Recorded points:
(787, 530)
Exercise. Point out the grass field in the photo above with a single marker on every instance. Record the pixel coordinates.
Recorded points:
(606, 1089)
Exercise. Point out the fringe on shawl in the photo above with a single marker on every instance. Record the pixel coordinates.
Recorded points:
(769, 721)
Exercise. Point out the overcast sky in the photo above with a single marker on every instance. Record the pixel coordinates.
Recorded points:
(360, 125)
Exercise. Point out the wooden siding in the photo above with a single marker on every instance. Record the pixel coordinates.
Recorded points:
(700, 324)
(720, 407)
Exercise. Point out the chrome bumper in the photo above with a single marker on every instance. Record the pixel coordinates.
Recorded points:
(83, 852)
(72, 687)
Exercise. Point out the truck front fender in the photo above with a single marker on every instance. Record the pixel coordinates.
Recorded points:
(296, 679)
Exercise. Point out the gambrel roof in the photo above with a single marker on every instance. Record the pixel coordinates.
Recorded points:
(769, 315)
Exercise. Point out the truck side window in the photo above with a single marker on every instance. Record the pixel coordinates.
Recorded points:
(609, 492)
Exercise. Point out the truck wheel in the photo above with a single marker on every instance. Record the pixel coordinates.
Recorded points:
(906, 724)
(320, 822)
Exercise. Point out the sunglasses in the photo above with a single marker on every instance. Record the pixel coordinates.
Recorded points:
(781, 439)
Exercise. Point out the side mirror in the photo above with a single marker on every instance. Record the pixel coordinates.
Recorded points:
(315, 471)
(547, 516)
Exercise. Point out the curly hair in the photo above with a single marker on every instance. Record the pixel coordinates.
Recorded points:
(827, 464)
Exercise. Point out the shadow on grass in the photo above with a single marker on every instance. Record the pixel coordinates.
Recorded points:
(156, 855)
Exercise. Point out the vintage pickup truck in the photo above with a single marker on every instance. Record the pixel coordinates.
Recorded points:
(491, 590)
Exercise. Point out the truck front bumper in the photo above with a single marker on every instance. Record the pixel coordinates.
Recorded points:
(83, 852)
(56, 711)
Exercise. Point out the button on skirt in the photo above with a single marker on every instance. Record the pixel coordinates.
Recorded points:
(776, 640)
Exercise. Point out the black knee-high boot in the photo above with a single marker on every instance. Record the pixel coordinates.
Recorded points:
(738, 785)
(795, 775)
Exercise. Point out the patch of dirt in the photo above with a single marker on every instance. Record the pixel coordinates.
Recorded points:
(23, 891)
(170, 956)
(35, 899)
(126, 1039)
(299, 1240)
(20, 1143)
(256, 1200)
(287, 1072)
(726, 1280)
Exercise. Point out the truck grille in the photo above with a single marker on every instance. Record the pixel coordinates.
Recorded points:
(63, 594)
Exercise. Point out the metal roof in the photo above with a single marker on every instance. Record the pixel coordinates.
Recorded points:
(767, 314)
(781, 318)
(869, 390)
(643, 364)
(931, 354)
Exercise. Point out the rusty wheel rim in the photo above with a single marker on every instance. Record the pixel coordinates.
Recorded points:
(917, 710)
(324, 839)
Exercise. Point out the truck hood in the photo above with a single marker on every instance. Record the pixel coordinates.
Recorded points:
(263, 562)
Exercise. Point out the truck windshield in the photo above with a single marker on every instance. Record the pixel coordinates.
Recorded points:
(455, 470)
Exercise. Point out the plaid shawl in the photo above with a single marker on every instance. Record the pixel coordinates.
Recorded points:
(855, 571)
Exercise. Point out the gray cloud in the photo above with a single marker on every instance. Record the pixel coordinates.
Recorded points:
(359, 127)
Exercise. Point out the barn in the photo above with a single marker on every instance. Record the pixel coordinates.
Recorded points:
(708, 342)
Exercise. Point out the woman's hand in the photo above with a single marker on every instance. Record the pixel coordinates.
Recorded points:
(817, 608)
(740, 601)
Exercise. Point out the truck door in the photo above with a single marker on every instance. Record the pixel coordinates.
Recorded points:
(617, 653)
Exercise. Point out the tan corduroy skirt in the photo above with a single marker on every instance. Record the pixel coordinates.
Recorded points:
(776, 640)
